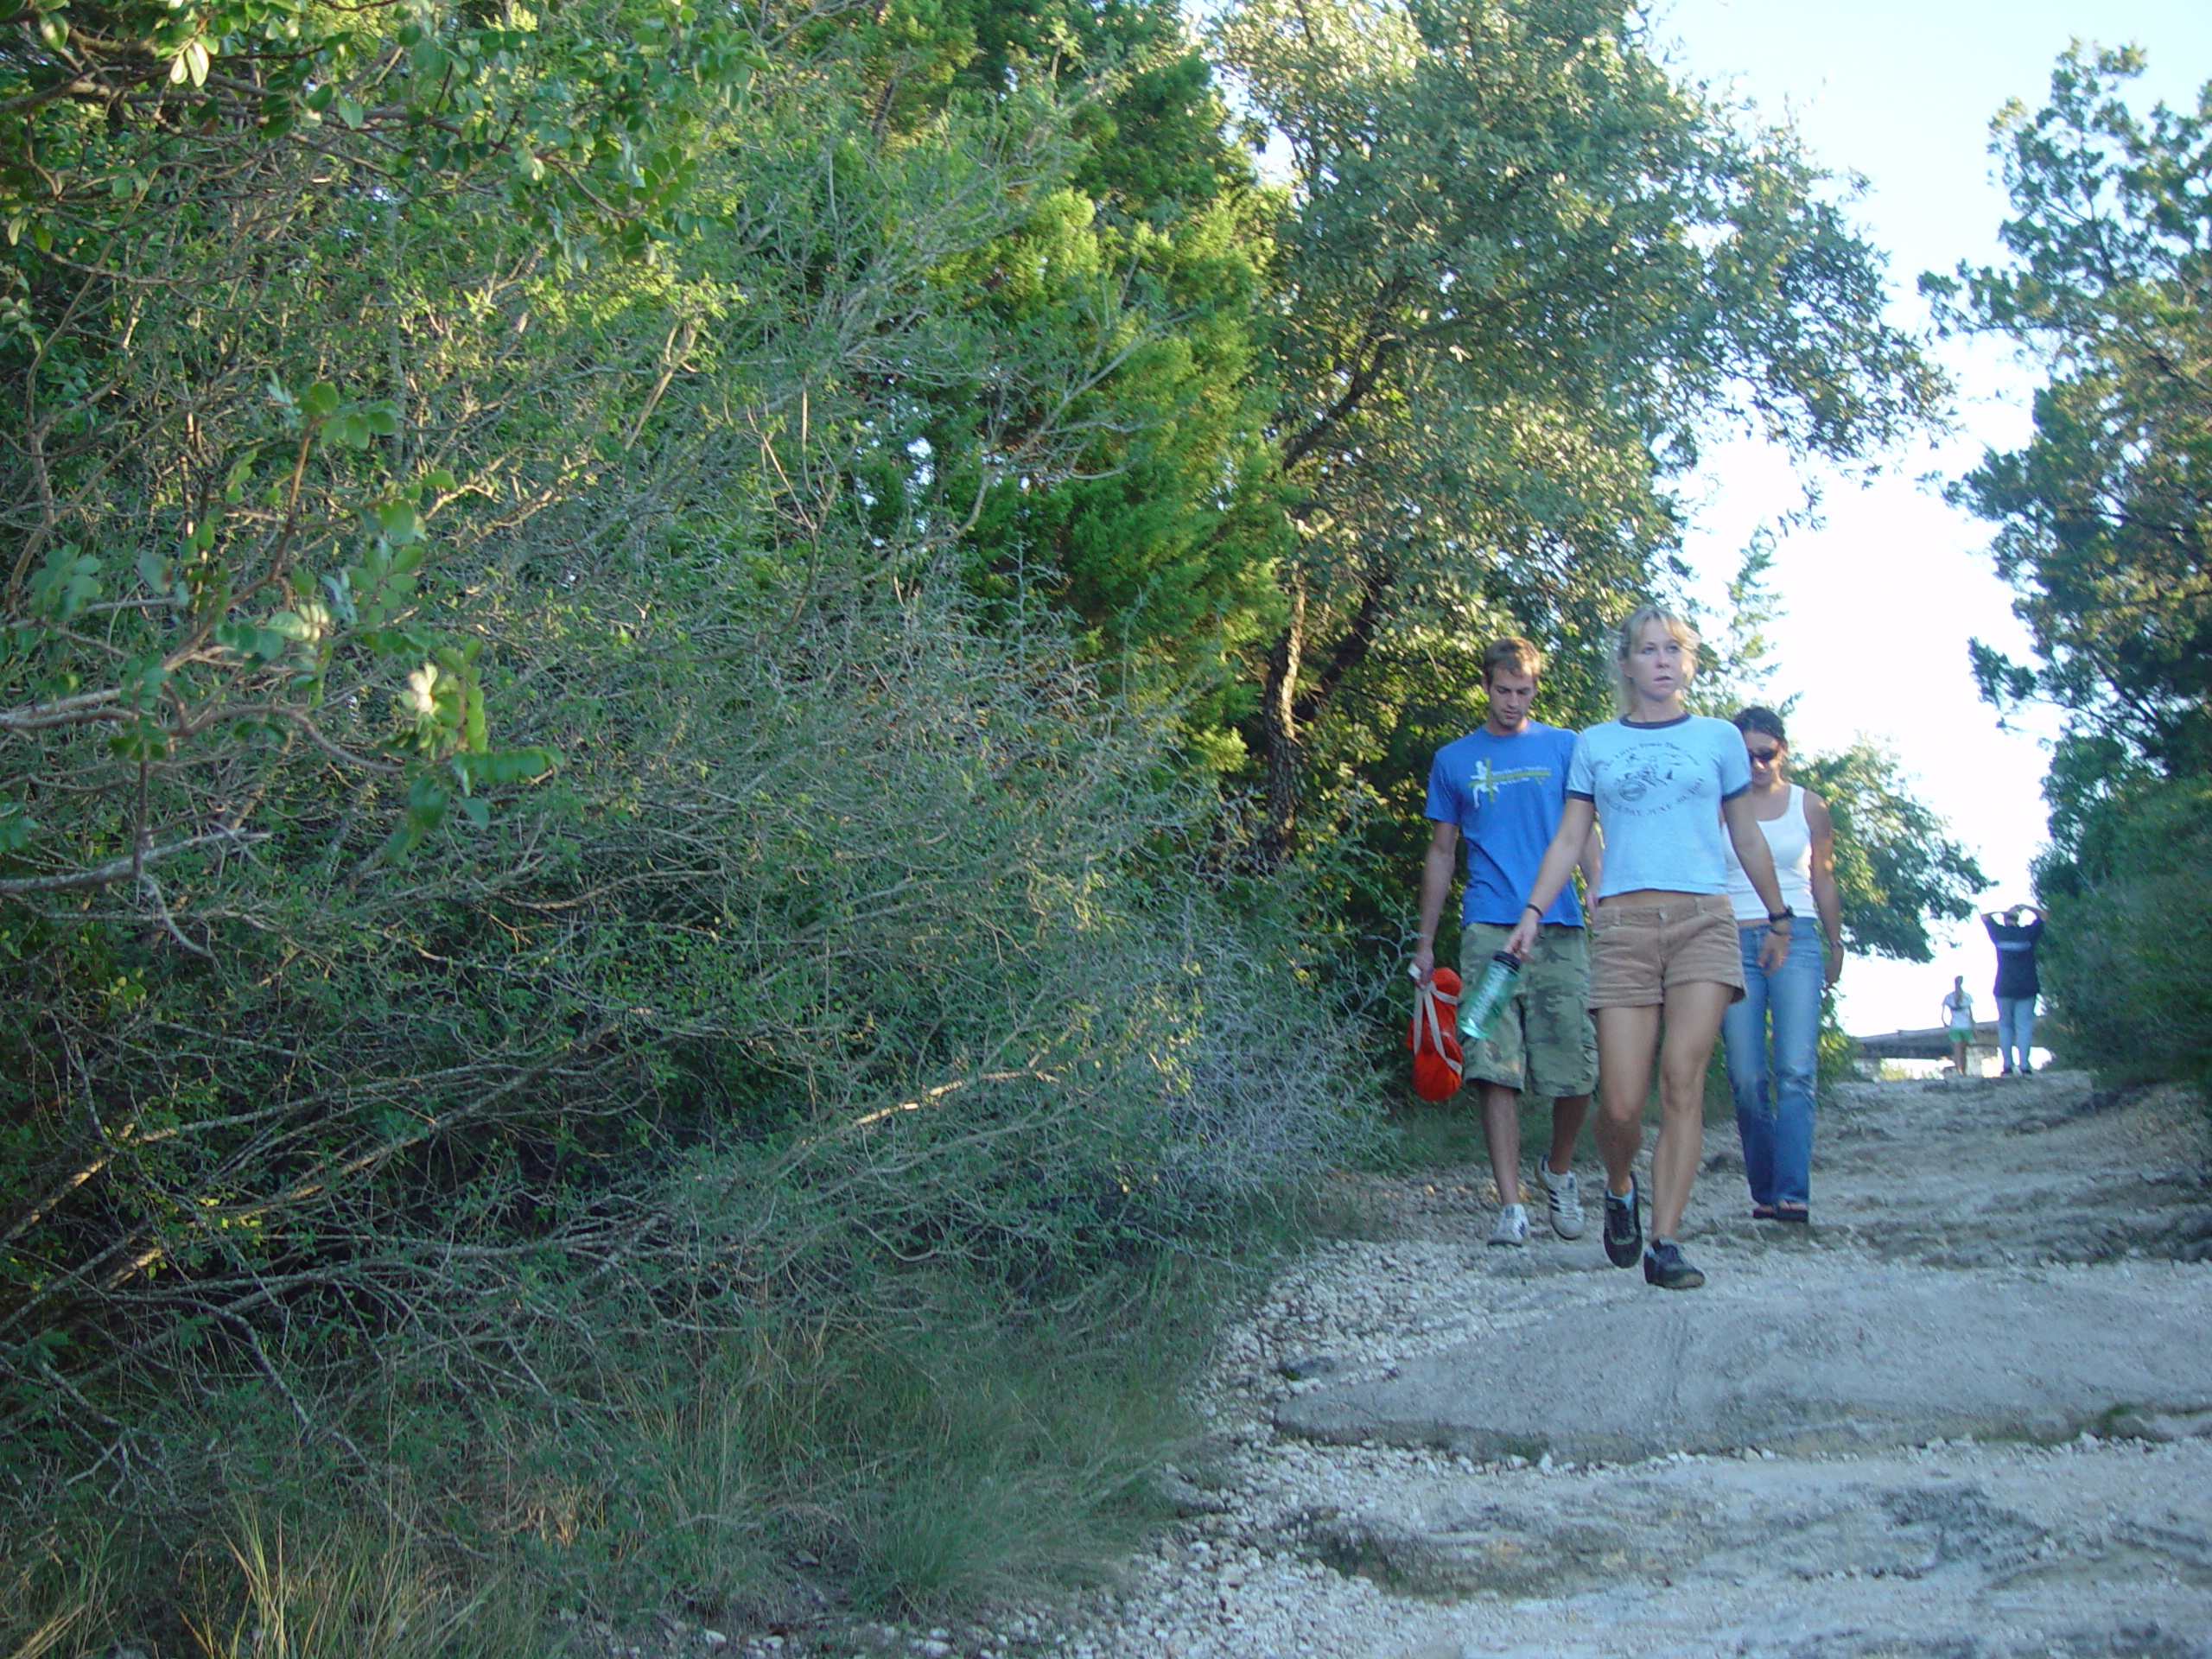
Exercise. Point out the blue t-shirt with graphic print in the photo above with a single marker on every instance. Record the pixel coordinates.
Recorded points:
(1505, 794)
(1658, 791)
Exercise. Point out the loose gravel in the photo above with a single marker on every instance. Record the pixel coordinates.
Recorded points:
(2099, 1545)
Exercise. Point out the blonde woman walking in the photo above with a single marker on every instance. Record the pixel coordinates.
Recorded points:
(1671, 791)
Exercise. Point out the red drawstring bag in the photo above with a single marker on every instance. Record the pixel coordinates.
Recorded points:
(1433, 1036)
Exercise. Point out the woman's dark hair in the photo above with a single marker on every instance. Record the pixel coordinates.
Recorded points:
(1758, 718)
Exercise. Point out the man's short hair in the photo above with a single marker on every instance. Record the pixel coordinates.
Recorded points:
(1514, 653)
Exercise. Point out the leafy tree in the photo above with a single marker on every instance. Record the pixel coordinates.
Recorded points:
(2130, 928)
(1158, 551)
(1897, 869)
(222, 500)
(2105, 516)
(419, 375)
(1523, 269)
(2104, 530)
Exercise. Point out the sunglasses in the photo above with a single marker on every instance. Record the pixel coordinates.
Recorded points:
(1764, 757)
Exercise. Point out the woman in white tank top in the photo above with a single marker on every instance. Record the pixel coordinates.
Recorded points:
(1782, 1006)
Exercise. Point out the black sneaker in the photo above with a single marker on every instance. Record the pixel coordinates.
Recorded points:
(1623, 1226)
(1663, 1265)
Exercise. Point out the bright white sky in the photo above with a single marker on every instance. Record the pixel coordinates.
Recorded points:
(1883, 593)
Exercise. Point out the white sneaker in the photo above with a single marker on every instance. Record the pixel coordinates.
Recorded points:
(1512, 1229)
(1565, 1196)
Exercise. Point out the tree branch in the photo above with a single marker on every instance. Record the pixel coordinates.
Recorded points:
(115, 869)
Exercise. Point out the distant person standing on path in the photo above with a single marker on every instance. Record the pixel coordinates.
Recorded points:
(1958, 1014)
(1500, 788)
(1662, 783)
(2017, 984)
(1774, 1104)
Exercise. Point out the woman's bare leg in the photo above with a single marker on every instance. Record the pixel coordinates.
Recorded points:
(1626, 1040)
(1693, 1022)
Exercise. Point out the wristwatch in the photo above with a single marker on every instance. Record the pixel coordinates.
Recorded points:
(1774, 919)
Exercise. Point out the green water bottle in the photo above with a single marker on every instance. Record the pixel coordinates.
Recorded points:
(1479, 1007)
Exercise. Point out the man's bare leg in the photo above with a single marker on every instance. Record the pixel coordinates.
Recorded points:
(1502, 1132)
(1567, 1113)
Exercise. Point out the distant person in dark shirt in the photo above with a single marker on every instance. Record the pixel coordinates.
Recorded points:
(2014, 932)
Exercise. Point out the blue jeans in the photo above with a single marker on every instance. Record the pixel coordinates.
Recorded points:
(2016, 1029)
(1774, 1103)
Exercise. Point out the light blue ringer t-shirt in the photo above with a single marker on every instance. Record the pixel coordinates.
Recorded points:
(1658, 791)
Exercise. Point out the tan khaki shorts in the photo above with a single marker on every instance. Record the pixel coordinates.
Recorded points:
(1639, 953)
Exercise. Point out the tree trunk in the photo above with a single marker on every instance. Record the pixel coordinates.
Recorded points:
(1279, 720)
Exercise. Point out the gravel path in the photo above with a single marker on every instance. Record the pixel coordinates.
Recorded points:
(1968, 1236)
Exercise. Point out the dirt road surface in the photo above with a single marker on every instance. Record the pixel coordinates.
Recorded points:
(1965, 1414)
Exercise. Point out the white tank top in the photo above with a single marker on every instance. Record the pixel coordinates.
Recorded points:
(1791, 839)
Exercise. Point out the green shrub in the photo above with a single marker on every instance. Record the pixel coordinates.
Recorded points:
(774, 1139)
(586, 1025)
(2127, 956)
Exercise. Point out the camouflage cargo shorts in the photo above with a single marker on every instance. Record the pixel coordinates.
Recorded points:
(1544, 1041)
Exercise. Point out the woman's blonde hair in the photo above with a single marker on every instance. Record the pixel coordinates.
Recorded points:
(1633, 627)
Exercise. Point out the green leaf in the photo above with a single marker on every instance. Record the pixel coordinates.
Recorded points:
(17, 828)
(341, 589)
(254, 643)
(512, 766)
(139, 740)
(141, 682)
(401, 522)
(321, 402)
(235, 482)
(68, 582)
(427, 801)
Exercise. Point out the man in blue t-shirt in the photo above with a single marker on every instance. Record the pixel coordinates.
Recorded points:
(1499, 789)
